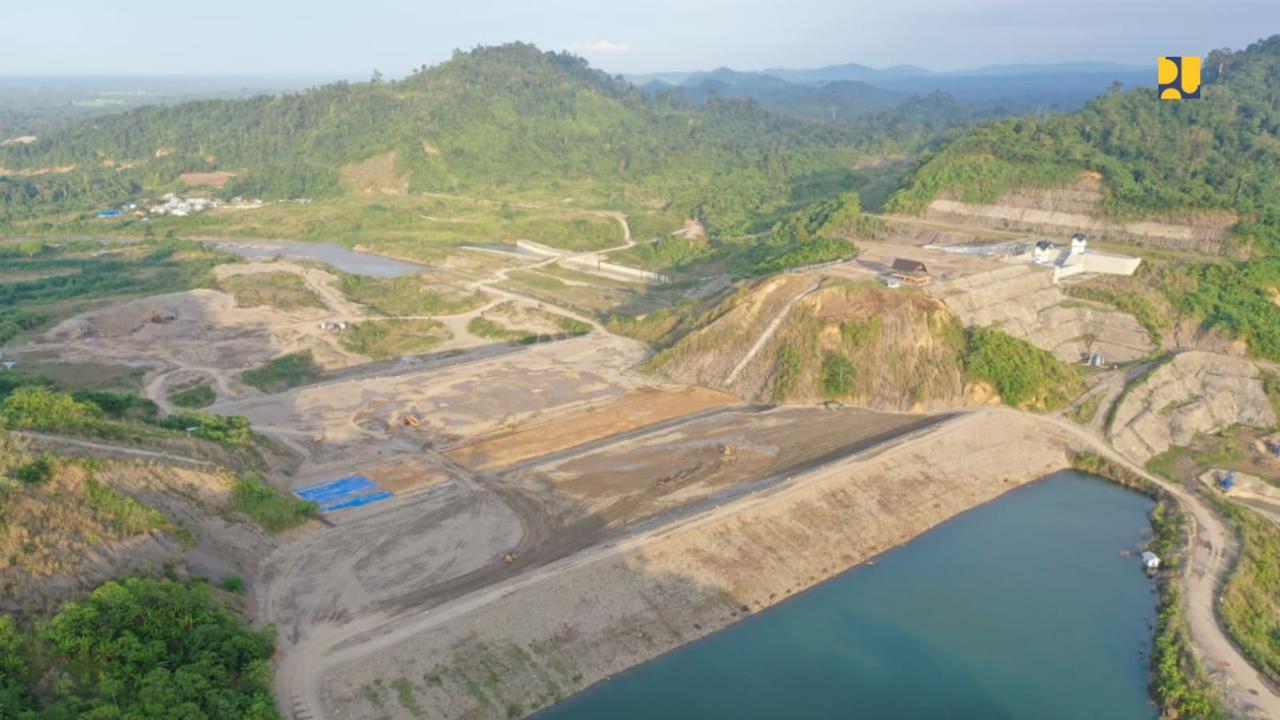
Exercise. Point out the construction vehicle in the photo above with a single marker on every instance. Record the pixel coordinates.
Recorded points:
(509, 558)
(411, 421)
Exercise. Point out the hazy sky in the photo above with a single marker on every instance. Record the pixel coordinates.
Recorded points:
(351, 37)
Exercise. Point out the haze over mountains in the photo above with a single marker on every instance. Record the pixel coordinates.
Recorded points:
(1062, 86)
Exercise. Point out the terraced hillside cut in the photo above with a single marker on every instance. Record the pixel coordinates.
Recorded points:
(1022, 301)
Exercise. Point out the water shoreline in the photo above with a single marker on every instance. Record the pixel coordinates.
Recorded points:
(576, 629)
(829, 584)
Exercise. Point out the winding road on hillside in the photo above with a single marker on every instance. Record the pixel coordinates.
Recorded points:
(1212, 553)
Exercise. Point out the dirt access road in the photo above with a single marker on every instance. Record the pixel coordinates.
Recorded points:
(1213, 549)
(1248, 694)
(303, 667)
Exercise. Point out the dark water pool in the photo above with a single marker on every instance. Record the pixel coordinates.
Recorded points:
(1027, 607)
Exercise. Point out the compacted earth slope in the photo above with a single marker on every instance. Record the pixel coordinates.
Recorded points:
(797, 338)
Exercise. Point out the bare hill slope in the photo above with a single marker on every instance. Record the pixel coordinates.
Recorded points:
(797, 338)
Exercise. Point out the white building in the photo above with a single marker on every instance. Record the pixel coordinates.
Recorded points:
(1044, 252)
(1150, 560)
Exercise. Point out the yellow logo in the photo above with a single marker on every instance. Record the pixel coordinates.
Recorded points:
(1178, 77)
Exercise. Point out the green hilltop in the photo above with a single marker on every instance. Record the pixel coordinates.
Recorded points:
(493, 121)
(1157, 159)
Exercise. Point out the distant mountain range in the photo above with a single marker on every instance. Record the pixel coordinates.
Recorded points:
(1062, 86)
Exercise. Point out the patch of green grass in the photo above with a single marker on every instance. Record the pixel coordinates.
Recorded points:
(232, 584)
(476, 693)
(408, 295)
(838, 375)
(284, 372)
(222, 429)
(786, 371)
(1024, 375)
(380, 339)
(126, 515)
(537, 280)
(1250, 605)
(567, 324)
(37, 471)
(1139, 306)
(494, 330)
(279, 290)
(195, 396)
(273, 510)
(1271, 386)
(406, 698)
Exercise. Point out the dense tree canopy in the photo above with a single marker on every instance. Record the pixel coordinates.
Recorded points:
(139, 649)
(494, 119)
(1217, 153)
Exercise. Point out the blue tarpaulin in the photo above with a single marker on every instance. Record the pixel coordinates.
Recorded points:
(356, 501)
(336, 490)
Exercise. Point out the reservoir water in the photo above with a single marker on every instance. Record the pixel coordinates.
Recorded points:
(357, 263)
(1027, 607)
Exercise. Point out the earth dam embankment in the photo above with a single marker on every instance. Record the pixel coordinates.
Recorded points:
(585, 619)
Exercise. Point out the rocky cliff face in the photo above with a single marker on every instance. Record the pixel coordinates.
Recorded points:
(1195, 392)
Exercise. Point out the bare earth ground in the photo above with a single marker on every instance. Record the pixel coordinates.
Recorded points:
(558, 517)
(352, 417)
(551, 632)
(638, 409)
(668, 468)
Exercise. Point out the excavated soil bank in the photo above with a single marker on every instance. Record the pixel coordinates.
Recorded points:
(579, 621)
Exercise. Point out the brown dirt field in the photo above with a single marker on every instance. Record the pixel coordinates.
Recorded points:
(658, 471)
(357, 418)
(405, 476)
(638, 409)
(209, 179)
(598, 613)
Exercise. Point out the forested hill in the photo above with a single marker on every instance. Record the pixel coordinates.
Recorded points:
(494, 119)
(1157, 157)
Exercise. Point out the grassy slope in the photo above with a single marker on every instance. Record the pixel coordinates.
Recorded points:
(857, 343)
(278, 290)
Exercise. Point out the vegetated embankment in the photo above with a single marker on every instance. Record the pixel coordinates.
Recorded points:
(789, 339)
(584, 619)
(1065, 211)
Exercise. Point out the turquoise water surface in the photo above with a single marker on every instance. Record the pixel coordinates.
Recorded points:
(1027, 607)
